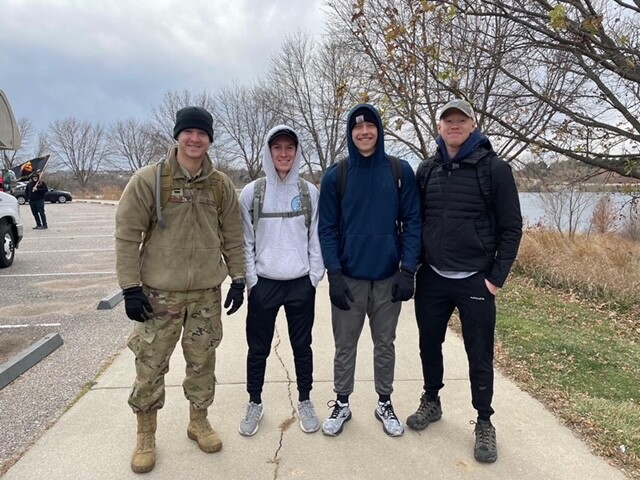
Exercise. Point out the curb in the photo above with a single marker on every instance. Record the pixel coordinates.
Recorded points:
(26, 359)
(107, 303)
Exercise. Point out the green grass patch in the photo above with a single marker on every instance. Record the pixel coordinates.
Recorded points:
(582, 360)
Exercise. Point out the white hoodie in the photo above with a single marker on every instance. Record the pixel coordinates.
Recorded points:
(281, 248)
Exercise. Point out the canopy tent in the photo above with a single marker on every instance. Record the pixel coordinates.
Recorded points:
(9, 133)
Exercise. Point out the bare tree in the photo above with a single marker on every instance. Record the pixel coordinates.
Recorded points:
(244, 120)
(80, 146)
(421, 54)
(566, 201)
(43, 145)
(132, 143)
(311, 86)
(595, 44)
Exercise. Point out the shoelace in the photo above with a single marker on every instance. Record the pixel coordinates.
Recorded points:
(426, 407)
(306, 410)
(337, 409)
(484, 436)
(253, 412)
(387, 411)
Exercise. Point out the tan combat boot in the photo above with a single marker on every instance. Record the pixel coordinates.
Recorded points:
(144, 456)
(200, 430)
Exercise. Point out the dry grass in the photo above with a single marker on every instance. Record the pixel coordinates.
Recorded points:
(111, 192)
(108, 192)
(600, 267)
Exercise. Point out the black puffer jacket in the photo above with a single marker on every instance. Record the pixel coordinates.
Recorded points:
(464, 230)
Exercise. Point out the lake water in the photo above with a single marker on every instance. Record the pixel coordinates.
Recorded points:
(533, 211)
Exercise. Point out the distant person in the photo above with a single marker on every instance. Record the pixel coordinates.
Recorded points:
(178, 236)
(471, 232)
(284, 267)
(35, 191)
(370, 237)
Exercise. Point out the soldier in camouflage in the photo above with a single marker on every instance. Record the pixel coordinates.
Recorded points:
(171, 259)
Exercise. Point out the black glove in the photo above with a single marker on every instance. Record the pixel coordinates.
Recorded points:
(403, 289)
(338, 291)
(235, 296)
(136, 304)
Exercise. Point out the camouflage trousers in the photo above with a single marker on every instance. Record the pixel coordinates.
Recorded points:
(196, 316)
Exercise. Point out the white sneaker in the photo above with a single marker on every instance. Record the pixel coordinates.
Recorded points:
(309, 422)
(251, 422)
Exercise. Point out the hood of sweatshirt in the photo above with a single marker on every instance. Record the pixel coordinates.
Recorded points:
(267, 161)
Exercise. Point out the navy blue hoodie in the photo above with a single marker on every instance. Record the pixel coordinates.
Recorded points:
(360, 237)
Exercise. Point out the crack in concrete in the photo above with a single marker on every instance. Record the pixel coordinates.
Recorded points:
(286, 423)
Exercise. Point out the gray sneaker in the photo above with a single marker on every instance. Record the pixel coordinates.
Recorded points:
(486, 447)
(428, 411)
(251, 421)
(309, 422)
(332, 426)
(391, 424)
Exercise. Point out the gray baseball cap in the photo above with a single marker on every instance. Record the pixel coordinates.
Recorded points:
(458, 104)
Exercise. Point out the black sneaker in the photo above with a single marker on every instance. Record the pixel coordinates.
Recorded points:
(486, 448)
(428, 411)
(37, 227)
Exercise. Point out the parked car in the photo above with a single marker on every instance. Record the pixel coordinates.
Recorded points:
(53, 195)
(11, 229)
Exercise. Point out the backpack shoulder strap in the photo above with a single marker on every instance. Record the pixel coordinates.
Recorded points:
(343, 166)
(165, 183)
(396, 167)
(424, 173)
(258, 199)
(483, 176)
(215, 183)
(305, 199)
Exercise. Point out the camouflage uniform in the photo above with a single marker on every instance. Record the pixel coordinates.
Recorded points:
(153, 342)
(181, 268)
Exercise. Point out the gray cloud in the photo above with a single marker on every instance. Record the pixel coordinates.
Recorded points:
(103, 61)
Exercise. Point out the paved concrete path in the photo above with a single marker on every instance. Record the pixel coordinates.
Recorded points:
(95, 437)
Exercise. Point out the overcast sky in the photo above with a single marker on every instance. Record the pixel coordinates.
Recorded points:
(104, 60)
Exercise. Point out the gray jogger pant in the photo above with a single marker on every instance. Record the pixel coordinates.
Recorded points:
(373, 299)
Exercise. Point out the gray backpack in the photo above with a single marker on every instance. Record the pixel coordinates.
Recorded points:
(258, 201)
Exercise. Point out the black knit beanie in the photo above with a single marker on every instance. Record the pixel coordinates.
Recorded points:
(363, 114)
(193, 117)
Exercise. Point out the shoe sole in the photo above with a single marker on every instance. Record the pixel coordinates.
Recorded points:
(309, 431)
(255, 430)
(194, 437)
(412, 426)
(375, 412)
(487, 460)
(340, 429)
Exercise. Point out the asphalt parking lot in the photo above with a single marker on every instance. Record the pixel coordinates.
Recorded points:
(54, 286)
